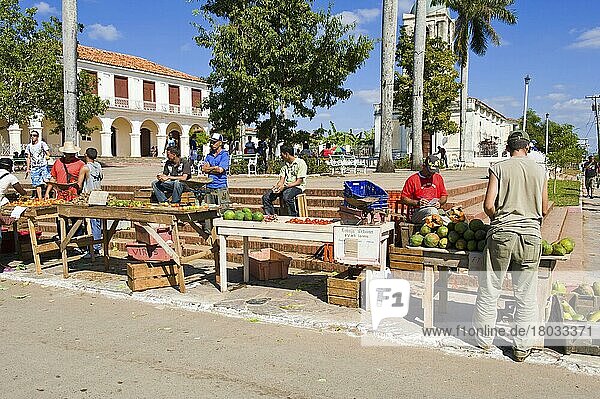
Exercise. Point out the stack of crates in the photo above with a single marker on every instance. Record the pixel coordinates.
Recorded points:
(364, 189)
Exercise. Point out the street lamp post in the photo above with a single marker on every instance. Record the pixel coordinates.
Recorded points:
(547, 141)
(527, 79)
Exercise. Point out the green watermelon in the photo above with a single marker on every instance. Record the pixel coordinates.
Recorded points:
(461, 227)
(431, 240)
(425, 230)
(258, 216)
(416, 240)
(229, 215)
(442, 231)
(469, 235)
(461, 244)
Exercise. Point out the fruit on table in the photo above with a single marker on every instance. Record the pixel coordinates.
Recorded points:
(476, 224)
(568, 244)
(310, 221)
(567, 316)
(480, 235)
(443, 243)
(247, 215)
(434, 221)
(469, 235)
(246, 210)
(471, 245)
(431, 240)
(425, 230)
(461, 227)
(453, 236)
(229, 215)
(596, 288)
(239, 215)
(451, 226)
(568, 308)
(481, 245)
(546, 248)
(416, 240)
(558, 250)
(594, 316)
(257, 216)
(461, 244)
(559, 288)
(456, 214)
(584, 289)
(442, 231)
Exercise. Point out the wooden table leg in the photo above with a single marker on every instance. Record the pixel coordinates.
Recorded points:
(105, 244)
(34, 246)
(443, 289)
(246, 261)
(16, 239)
(223, 262)
(88, 223)
(177, 245)
(63, 247)
(428, 296)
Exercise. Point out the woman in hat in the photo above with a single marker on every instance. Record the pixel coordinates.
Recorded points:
(65, 171)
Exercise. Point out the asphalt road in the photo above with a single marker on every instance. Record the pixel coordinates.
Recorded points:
(64, 344)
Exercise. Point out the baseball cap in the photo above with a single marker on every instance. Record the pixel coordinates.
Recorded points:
(518, 135)
(432, 163)
(216, 137)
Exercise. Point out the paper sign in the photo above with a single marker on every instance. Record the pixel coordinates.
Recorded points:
(389, 298)
(475, 261)
(17, 212)
(356, 244)
(98, 198)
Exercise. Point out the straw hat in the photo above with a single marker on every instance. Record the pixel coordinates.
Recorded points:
(69, 148)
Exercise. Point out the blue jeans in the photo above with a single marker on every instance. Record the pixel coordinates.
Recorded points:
(96, 233)
(170, 188)
(288, 197)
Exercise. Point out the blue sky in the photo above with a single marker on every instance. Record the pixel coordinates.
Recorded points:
(556, 42)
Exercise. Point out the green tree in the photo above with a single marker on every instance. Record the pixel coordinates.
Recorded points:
(474, 30)
(31, 76)
(273, 56)
(564, 149)
(440, 86)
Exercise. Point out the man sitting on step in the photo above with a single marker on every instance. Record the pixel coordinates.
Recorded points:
(292, 180)
(171, 182)
(424, 192)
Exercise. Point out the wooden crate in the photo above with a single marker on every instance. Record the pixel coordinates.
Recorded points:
(344, 289)
(404, 231)
(142, 276)
(410, 259)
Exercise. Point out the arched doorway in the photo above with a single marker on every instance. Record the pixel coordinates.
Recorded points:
(113, 141)
(145, 142)
(175, 130)
(122, 136)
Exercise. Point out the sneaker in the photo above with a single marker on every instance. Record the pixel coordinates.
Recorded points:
(88, 255)
(519, 355)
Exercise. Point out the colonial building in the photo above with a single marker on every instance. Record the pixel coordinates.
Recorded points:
(147, 102)
(487, 129)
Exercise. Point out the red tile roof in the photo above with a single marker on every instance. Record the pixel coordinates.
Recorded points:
(130, 62)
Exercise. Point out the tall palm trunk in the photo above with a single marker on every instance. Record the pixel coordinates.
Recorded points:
(388, 55)
(464, 81)
(419, 67)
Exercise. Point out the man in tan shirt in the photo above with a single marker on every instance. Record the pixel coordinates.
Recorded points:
(516, 201)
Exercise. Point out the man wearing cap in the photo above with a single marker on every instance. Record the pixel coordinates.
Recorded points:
(65, 171)
(37, 152)
(292, 182)
(216, 165)
(171, 182)
(516, 201)
(424, 192)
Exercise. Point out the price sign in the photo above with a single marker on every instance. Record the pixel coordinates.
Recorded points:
(98, 198)
(389, 298)
(356, 244)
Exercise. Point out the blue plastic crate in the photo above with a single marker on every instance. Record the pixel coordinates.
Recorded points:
(363, 189)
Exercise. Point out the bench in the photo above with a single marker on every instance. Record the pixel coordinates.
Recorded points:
(345, 163)
(252, 162)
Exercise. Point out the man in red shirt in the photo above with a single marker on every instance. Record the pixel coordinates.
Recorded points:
(424, 192)
(66, 171)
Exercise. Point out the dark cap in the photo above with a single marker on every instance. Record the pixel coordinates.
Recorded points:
(518, 135)
(432, 164)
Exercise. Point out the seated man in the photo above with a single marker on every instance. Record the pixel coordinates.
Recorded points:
(424, 192)
(171, 182)
(291, 183)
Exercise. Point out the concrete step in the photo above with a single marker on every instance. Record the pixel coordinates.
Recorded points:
(553, 223)
(312, 201)
(466, 199)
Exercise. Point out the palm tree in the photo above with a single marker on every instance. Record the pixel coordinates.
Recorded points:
(474, 30)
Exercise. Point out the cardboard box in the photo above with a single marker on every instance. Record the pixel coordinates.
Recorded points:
(269, 264)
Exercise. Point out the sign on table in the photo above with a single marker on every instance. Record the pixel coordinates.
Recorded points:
(357, 244)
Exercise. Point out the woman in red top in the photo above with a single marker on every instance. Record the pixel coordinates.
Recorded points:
(425, 191)
(66, 171)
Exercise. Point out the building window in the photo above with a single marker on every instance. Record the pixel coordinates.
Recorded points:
(86, 137)
(121, 87)
(196, 98)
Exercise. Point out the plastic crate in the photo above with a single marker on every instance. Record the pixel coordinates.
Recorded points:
(363, 189)
(269, 264)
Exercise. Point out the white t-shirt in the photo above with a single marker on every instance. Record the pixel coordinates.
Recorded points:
(38, 153)
(7, 180)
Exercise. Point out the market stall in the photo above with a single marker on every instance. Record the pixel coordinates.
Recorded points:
(31, 215)
(284, 228)
(148, 217)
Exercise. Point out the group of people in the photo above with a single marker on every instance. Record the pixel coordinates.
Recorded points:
(171, 183)
(516, 201)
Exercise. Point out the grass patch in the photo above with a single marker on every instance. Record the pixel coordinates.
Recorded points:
(567, 192)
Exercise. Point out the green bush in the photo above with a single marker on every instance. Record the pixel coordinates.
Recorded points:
(316, 166)
(402, 163)
(238, 167)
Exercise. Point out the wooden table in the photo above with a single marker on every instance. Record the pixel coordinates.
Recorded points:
(277, 230)
(431, 260)
(144, 216)
(32, 214)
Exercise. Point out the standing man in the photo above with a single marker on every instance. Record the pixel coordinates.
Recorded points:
(216, 166)
(441, 151)
(65, 171)
(37, 152)
(292, 181)
(424, 192)
(516, 201)
(590, 170)
(8, 180)
(90, 179)
(171, 182)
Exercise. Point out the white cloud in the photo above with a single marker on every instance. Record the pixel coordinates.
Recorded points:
(323, 115)
(104, 32)
(370, 96)
(44, 8)
(553, 97)
(184, 48)
(559, 87)
(359, 17)
(588, 39)
(503, 102)
(574, 104)
(404, 6)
